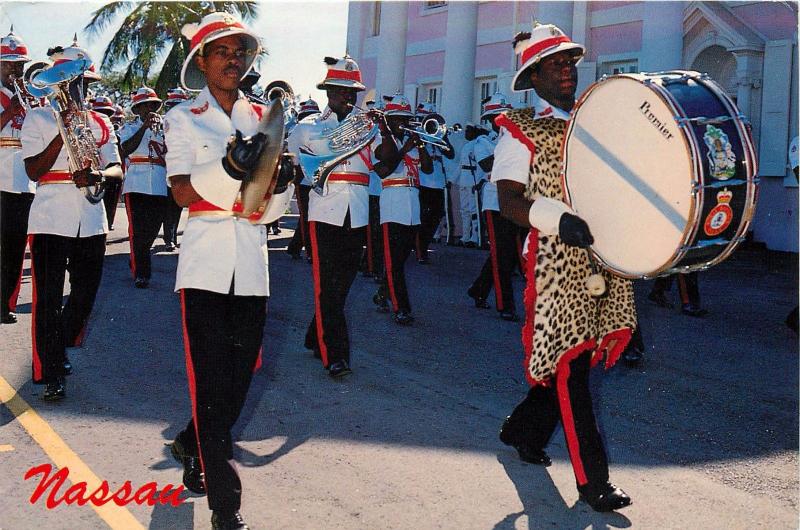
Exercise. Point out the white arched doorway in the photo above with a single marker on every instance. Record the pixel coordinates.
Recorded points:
(720, 64)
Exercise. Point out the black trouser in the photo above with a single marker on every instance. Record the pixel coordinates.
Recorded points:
(113, 188)
(14, 209)
(500, 263)
(374, 253)
(54, 328)
(301, 237)
(223, 335)
(431, 211)
(687, 287)
(145, 215)
(398, 240)
(172, 216)
(568, 399)
(336, 251)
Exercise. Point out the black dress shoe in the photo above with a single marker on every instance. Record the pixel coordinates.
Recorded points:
(403, 318)
(383, 304)
(141, 283)
(169, 247)
(607, 499)
(693, 311)
(526, 453)
(67, 366)
(227, 521)
(8, 318)
(480, 302)
(659, 299)
(632, 356)
(55, 391)
(339, 369)
(510, 316)
(193, 477)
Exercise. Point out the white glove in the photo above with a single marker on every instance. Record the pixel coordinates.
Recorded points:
(545, 215)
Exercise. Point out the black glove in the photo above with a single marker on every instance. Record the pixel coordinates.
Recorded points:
(286, 174)
(574, 231)
(86, 177)
(243, 154)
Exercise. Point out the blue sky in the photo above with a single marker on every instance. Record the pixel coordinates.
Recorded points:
(297, 34)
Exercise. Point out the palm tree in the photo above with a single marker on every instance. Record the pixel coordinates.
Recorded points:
(150, 29)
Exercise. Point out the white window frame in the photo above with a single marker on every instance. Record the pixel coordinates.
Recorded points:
(490, 82)
(375, 30)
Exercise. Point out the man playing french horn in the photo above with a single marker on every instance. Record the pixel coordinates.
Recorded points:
(68, 232)
(337, 217)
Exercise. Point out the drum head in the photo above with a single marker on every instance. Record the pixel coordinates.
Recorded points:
(628, 173)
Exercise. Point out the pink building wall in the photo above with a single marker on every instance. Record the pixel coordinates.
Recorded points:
(591, 7)
(369, 68)
(615, 39)
(424, 66)
(495, 14)
(493, 56)
(425, 27)
(768, 18)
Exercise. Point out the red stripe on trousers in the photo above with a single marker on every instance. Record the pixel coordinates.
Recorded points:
(418, 246)
(323, 349)
(387, 261)
(567, 420)
(192, 384)
(259, 360)
(370, 257)
(37, 361)
(498, 290)
(12, 302)
(78, 342)
(683, 290)
(130, 233)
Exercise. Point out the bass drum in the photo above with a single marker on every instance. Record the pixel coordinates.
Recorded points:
(662, 168)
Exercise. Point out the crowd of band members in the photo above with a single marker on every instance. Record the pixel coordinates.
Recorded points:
(390, 199)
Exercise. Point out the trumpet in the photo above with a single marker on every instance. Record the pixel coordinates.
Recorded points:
(430, 131)
(283, 91)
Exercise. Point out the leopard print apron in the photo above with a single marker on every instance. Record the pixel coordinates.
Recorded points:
(562, 320)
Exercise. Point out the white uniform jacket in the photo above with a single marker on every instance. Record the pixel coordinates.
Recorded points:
(217, 247)
(484, 148)
(60, 208)
(146, 167)
(512, 159)
(400, 194)
(12, 170)
(437, 177)
(347, 187)
(469, 171)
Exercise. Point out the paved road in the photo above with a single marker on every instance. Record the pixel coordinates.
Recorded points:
(703, 435)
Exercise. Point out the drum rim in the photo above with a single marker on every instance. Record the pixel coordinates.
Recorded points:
(692, 148)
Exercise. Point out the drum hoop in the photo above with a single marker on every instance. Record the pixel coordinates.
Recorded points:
(693, 152)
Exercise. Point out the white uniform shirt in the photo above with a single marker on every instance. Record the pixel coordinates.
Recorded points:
(62, 209)
(512, 159)
(12, 169)
(215, 250)
(437, 177)
(484, 148)
(145, 168)
(400, 204)
(468, 177)
(338, 197)
(374, 184)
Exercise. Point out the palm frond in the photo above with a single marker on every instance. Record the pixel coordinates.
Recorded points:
(104, 16)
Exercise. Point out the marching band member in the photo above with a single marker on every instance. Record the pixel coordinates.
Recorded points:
(68, 233)
(431, 187)
(400, 159)
(172, 211)
(301, 238)
(336, 218)
(566, 329)
(145, 190)
(16, 191)
(499, 265)
(374, 244)
(105, 106)
(470, 226)
(222, 275)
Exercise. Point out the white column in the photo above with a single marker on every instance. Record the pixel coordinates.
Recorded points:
(391, 65)
(748, 90)
(458, 80)
(662, 36)
(355, 21)
(558, 13)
